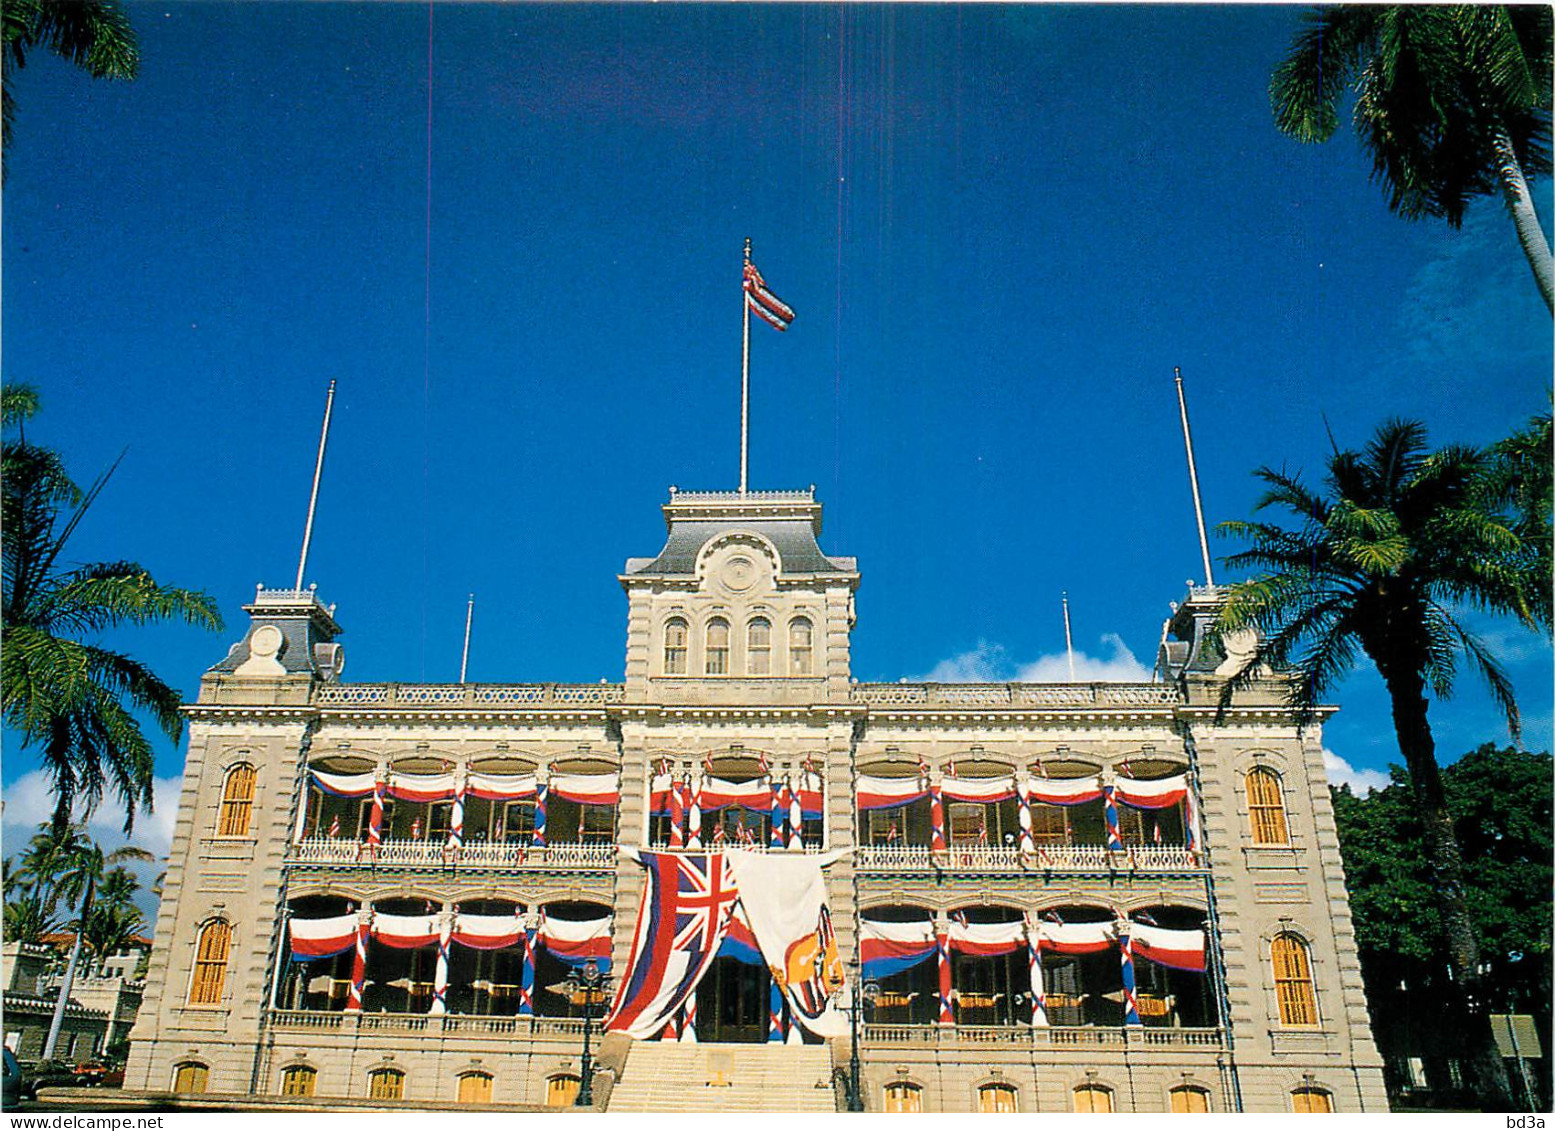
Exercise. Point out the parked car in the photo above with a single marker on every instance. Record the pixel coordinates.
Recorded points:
(11, 1082)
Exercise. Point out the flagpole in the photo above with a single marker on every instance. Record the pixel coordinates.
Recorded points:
(313, 498)
(464, 659)
(745, 375)
(1193, 478)
(1068, 639)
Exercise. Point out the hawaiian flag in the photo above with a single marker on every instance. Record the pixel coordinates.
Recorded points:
(681, 923)
(762, 302)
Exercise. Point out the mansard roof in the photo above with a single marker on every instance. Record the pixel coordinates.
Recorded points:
(790, 520)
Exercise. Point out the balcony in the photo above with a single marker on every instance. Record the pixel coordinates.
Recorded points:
(337, 852)
(449, 1024)
(1054, 1037)
(1066, 858)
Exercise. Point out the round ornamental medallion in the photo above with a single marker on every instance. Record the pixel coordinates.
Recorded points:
(266, 641)
(739, 573)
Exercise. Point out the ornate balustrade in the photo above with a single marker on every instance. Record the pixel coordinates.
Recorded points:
(1053, 1037)
(304, 1020)
(468, 694)
(339, 852)
(809, 849)
(1016, 694)
(1048, 858)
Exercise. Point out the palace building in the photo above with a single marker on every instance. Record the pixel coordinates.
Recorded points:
(1047, 897)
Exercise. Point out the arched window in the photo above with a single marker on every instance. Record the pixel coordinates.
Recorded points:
(1190, 1099)
(758, 647)
(903, 1098)
(1293, 980)
(801, 646)
(190, 1076)
(1311, 1101)
(210, 963)
(1092, 1098)
(237, 802)
(1266, 805)
(298, 1080)
(386, 1084)
(996, 1097)
(718, 646)
(562, 1091)
(675, 646)
(475, 1088)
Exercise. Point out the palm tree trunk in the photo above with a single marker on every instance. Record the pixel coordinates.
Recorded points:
(1467, 1006)
(1519, 202)
(58, 1020)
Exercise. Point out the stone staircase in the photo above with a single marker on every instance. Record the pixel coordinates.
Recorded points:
(666, 1076)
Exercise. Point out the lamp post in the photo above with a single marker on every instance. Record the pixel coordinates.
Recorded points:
(586, 990)
(860, 994)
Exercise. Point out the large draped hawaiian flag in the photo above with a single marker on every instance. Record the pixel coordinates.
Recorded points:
(681, 923)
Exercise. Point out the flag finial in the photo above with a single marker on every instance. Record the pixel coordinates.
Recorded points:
(747, 249)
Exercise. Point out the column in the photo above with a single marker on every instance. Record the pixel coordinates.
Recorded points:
(375, 815)
(359, 960)
(542, 792)
(694, 818)
(937, 817)
(774, 1013)
(1109, 808)
(456, 817)
(795, 817)
(526, 978)
(779, 815)
(1126, 956)
(1023, 791)
(942, 957)
(445, 928)
(677, 804)
(1038, 989)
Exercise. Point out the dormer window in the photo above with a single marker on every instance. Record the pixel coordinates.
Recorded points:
(675, 635)
(758, 647)
(718, 646)
(801, 646)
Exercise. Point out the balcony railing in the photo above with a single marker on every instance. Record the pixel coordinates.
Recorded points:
(469, 694)
(1052, 1037)
(1046, 858)
(810, 849)
(436, 854)
(1016, 694)
(466, 1024)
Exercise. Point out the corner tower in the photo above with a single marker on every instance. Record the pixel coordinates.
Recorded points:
(741, 604)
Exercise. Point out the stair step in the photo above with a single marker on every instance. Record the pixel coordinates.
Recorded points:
(672, 1077)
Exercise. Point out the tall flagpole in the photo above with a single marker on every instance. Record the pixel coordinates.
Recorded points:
(745, 375)
(313, 498)
(1193, 478)
(469, 615)
(1068, 639)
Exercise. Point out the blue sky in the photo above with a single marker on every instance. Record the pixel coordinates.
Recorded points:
(1001, 227)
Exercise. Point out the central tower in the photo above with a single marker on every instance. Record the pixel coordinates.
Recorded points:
(741, 605)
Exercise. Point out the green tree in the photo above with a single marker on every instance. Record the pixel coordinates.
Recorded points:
(1380, 566)
(1451, 101)
(1500, 800)
(75, 865)
(28, 919)
(72, 700)
(95, 35)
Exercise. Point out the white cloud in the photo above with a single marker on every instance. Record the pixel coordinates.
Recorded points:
(990, 663)
(28, 801)
(1361, 782)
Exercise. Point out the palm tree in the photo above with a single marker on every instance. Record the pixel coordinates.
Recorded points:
(76, 863)
(28, 919)
(1452, 102)
(93, 34)
(72, 700)
(1380, 565)
(109, 929)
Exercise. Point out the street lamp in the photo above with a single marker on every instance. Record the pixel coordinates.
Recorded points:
(860, 994)
(586, 990)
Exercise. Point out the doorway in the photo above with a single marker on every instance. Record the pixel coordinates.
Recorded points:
(732, 1003)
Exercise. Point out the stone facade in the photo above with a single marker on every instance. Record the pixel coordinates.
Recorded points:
(737, 665)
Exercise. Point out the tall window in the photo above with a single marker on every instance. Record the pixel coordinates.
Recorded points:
(1187, 1098)
(562, 1091)
(1311, 1101)
(190, 1077)
(1266, 804)
(298, 1080)
(801, 646)
(386, 1084)
(1092, 1098)
(996, 1097)
(903, 1098)
(718, 646)
(475, 1088)
(1293, 981)
(237, 802)
(758, 647)
(675, 647)
(210, 963)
